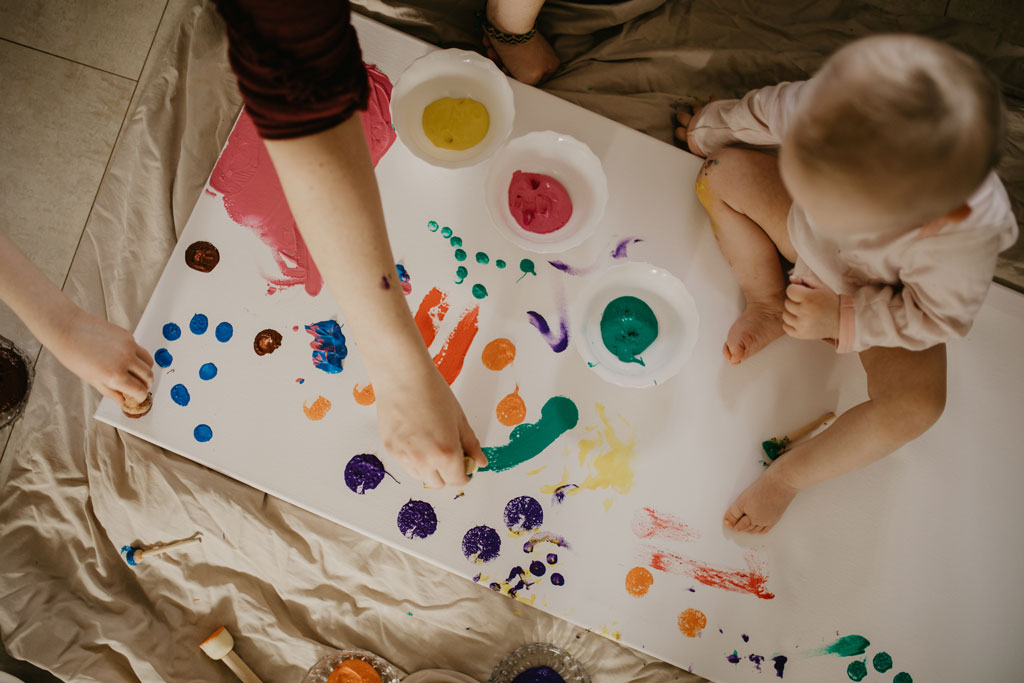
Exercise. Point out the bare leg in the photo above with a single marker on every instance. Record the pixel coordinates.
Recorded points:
(530, 62)
(748, 205)
(906, 396)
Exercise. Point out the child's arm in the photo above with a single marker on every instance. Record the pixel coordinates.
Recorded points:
(759, 119)
(104, 355)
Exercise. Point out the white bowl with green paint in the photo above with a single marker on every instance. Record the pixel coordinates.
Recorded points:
(668, 301)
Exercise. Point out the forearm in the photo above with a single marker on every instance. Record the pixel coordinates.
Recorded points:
(30, 294)
(514, 16)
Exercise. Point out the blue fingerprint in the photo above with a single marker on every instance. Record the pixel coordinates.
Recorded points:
(171, 331)
(208, 371)
(199, 323)
(328, 346)
(224, 332)
(163, 357)
(203, 433)
(179, 394)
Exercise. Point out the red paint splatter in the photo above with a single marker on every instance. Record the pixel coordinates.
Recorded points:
(451, 356)
(751, 580)
(207, 191)
(650, 523)
(429, 315)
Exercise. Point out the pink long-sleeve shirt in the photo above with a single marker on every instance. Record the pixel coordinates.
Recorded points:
(911, 290)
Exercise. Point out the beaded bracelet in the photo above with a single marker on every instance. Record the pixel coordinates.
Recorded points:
(496, 34)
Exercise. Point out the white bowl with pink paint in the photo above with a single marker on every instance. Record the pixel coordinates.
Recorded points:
(530, 180)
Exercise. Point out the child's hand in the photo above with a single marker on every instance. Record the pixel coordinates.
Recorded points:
(811, 312)
(685, 132)
(104, 355)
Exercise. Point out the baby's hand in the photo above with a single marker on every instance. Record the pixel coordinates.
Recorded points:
(104, 355)
(685, 131)
(811, 312)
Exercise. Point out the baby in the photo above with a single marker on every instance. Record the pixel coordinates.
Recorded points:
(883, 198)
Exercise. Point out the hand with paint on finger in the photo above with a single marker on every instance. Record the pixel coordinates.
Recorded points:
(811, 312)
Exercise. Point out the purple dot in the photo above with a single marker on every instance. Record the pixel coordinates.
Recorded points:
(523, 513)
(552, 558)
(734, 658)
(537, 568)
(364, 473)
(557, 579)
(745, 637)
(481, 543)
(417, 519)
(495, 586)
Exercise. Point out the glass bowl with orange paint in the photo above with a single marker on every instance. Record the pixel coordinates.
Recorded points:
(352, 666)
(452, 108)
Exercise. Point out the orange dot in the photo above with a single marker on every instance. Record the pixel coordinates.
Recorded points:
(511, 410)
(498, 354)
(319, 408)
(354, 671)
(692, 622)
(364, 396)
(638, 581)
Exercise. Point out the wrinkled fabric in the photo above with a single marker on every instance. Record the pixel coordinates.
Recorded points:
(289, 585)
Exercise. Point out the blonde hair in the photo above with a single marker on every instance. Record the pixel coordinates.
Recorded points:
(911, 120)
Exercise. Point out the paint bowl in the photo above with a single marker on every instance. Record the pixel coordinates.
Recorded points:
(321, 671)
(457, 74)
(539, 655)
(668, 300)
(16, 374)
(568, 161)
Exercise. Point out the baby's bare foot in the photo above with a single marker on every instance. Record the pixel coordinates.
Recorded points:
(758, 325)
(761, 505)
(531, 62)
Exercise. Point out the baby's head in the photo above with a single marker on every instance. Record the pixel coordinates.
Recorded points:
(897, 131)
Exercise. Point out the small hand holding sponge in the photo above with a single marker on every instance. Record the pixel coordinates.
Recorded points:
(132, 408)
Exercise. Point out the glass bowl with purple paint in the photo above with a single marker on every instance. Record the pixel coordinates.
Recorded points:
(321, 671)
(539, 663)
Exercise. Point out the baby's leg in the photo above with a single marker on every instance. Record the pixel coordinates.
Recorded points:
(906, 396)
(748, 205)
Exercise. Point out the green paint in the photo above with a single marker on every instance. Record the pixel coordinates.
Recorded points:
(882, 662)
(857, 670)
(432, 226)
(847, 646)
(528, 268)
(903, 677)
(527, 441)
(482, 258)
(462, 274)
(592, 365)
(456, 241)
(479, 291)
(773, 448)
(409, 613)
(460, 254)
(628, 327)
(500, 263)
(446, 232)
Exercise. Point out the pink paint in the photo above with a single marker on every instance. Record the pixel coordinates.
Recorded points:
(539, 203)
(253, 198)
(752, 580)
(651, 523)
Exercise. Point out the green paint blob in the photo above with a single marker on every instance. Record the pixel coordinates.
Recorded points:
(461, 273)
(528, 268)
(847, 646)
(903, 677)
(432, 226)
(628, 327)
(773, 448)
(460, 254)
(857, 670)
(456, 241)
(882, 662)
(479, 291)
(446, 232)
(482, 258)
(500, 263)
(527, 441)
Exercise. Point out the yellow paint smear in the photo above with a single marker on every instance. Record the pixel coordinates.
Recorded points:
(456, 124)
(608, 504)
(706, 199)
(613, 468)
(538, 470)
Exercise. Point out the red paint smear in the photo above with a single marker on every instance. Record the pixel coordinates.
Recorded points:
(752, 580)
(451, 356)
(650, 523)
(253, 197)
(433, 308)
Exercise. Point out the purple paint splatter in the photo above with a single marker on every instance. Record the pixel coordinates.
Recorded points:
(552, 558)
(734, 658)
(745, 637)
(560, 493)
(523, 514)
(384, 284)
(328, 346)
(365, 472)
(417, 519)
(481, 544)
(557, 579)
(559, 341)
(780, 664)
(621, 249)
(756, 659)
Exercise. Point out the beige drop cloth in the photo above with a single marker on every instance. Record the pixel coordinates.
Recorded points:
(290, 585)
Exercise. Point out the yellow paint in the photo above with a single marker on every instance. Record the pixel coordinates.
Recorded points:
(706, 199)
(608, 504)
(537, 471)
(456, 124)
(612, 468)
(615, 635)
(551, 488)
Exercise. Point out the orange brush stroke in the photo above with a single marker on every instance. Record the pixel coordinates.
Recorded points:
(638, 581)
(498, 354)
(651, 523)
(752, 580)
(450, 358)
(316, 411)
(692, 622)
(511, 410)
(429, 315)
(364, 396)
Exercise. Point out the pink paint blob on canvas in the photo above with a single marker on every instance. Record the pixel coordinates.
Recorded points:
(248, 184)
(539, 203)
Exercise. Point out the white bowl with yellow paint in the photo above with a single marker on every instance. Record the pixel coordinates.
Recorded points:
(459, 87)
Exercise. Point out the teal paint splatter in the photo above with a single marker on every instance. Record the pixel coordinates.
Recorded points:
(446, 232)
(500, 263)
(628, 327)
(847, 646)
(857, 670)
(432, 226)
(455, 241)
(460, 254)
(882, 662)
(903, 677)
(527, 441)
(479, 291)
(462, 274)
(528, 267)
(773, 448)
(482, 258)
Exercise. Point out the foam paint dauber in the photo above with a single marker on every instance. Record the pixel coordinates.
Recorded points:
(775, 447)
(220, 646)
(133, 555)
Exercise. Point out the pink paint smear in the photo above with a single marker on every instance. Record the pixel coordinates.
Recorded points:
(253, 198)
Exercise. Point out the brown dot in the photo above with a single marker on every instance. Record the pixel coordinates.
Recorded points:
(266, 341)
(202, 256)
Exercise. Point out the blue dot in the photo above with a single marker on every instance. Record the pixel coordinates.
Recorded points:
(179, 394)
(199, 323)
(203, 433)
(208, 371)
(163, 357)
(224, 332)
(171, 331)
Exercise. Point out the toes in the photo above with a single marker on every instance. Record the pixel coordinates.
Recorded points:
(744, 524)
(766, 528)
(732, 515)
